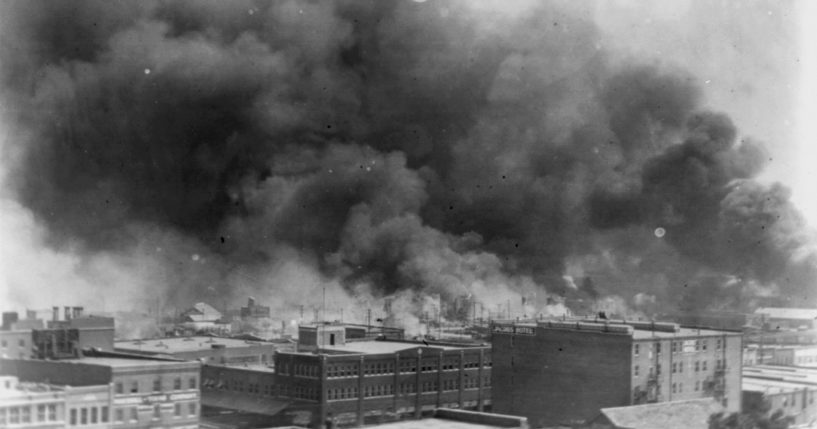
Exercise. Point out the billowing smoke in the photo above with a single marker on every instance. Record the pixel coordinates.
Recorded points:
(207, 149)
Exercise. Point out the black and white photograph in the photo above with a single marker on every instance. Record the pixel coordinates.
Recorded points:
(408, 214)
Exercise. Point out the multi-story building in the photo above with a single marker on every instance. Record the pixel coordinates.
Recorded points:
(794, 356)
(62, 338)
(31, 405)
(564, 371)
(352, 382)
(784, 389)
(253, 310)
(120, 392)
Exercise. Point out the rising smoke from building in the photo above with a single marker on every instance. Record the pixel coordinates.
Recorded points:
(382, 148)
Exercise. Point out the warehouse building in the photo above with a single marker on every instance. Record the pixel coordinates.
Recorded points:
(564, 372)
(121, 392)
(354, 382)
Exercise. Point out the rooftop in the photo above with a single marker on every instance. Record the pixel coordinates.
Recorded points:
(638, 330)
(433, 423)
(382, 347)
(173, 345)
(688, 414)
(775, 376)
(116, 362)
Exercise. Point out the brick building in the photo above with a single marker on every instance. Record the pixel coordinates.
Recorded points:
(354, 382)
(119, 392)
(565, 371)
(30, 405)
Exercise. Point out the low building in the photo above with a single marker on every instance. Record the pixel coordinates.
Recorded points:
(794, 356)
(564, 371)
(776, 318)
(128, 393)
(57, 338)
(688, 414)
(208, 350)
(778, 388)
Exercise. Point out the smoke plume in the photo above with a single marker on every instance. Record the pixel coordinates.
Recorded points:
(205, 149)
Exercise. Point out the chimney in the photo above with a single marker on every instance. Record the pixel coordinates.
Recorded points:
(9, 318)
(55, 314)
(67, 313)
(77, 312)
(250, 302)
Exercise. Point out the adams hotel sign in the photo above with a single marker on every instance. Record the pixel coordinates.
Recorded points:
(510, 329)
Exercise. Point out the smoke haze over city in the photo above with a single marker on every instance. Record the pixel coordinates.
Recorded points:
(207, 150)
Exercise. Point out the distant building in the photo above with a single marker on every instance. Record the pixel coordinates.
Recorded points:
(794, 356)
(687, 414)
(58, 338)
(204, 318)
(786, 389)
(564, 372)
(254, 311)
(350, 382)
(126, 393)
(31, 405)
(775, 318)
(208, 350)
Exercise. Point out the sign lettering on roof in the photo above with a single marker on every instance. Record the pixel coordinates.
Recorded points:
(514, 330)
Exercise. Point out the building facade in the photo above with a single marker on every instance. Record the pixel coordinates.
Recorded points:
(563, 372)
(118, 392)
(787, 390)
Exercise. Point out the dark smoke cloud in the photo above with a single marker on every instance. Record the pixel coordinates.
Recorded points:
(430, 147)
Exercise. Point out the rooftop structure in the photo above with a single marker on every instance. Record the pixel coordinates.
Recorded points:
(776, 318)
(565, 371)
(209, 350)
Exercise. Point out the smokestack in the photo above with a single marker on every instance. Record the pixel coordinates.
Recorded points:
(250, 302)
(67, 313)
(55, 314)
(77, 312)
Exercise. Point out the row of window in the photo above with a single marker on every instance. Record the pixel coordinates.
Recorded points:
(300, 370)
(23, 414)
(375, 390)
(21, 342)
(678, 367)
(682, 346)
(157, 385)
(133, 412)
(406, 366)
(86, 415)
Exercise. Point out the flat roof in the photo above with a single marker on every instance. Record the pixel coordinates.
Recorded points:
(638, 332)
(780, 376)
(433, 423)
(381, 347)
(116, 362)
(749, 384)
(641, 334)
(171, 345)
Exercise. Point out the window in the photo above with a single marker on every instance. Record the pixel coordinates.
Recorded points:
(177, 410)
(177, 383)
(134, 415)
(94, 415)
(14, 416)
(697, 367)
(635, 349)
(191, 408)
(119, 415)
(73, 419)
(674, 346)
(25, 415)
(635, 370)
(21, 342)
(703, 344)
(83, 416)
(680, 387)
(658, 348)
(674, 387)
(40, 413)
(703, 366)
(2, 417)
(157, 413)
(697, 385)
(3, 343)
(52, 412)
(104, 414)
(134, 387)
(119, 388)
(658, 368)
(157, 385)
(718, 344)
(697, 345)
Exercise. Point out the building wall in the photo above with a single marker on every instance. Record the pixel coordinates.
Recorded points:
(88, 406)
(150, 397)
(41, 410)
(796, 356)
(688, 368)
(558, 376)
(56, 372)
(15, 344)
